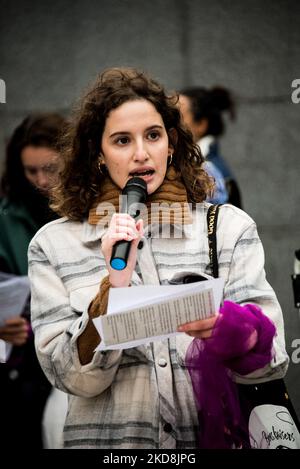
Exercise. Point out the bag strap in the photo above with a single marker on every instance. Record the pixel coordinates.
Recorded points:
(212, 219)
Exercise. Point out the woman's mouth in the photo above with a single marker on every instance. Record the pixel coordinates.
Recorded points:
(146, 174)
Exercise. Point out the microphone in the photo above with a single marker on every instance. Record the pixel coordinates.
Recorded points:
(134, 193)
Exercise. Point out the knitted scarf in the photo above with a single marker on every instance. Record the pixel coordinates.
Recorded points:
(168, 204)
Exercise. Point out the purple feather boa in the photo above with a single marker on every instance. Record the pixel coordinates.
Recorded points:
(241, 342)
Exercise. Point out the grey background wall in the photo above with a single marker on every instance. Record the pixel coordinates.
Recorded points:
(51, 50)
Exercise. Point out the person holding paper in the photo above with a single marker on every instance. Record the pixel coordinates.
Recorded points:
(30, 167)
(139, 397)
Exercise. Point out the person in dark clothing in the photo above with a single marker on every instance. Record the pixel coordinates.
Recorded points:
(30, 169)
(202, 111)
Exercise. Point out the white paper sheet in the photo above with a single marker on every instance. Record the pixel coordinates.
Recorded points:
(5, 349)
(14, 291)
(142, 314)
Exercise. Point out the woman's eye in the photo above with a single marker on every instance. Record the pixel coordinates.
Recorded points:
(51, 169)
(153, 135)
(31, 171)
(122, 140)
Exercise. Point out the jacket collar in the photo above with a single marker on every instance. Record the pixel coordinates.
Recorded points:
(94, 233)
(205, 144)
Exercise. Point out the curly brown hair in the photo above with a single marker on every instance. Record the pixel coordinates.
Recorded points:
(80, 180)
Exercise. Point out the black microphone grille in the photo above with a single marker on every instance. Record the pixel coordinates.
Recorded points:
(135, 183)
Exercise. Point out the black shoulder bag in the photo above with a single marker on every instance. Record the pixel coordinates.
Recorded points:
(272, 420)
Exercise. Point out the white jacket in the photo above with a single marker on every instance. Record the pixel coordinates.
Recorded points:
(140, 397)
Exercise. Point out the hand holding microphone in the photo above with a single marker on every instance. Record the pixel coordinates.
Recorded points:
(119, 244)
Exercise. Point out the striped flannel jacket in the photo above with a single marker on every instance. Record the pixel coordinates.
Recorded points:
(138, 397)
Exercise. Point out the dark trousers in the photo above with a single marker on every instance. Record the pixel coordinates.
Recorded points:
(23, 393)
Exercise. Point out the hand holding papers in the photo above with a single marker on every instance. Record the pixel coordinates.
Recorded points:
(138, 315)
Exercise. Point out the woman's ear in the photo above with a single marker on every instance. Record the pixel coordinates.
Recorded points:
(101, 165)
(173, 137)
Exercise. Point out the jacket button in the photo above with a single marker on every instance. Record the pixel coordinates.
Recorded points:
(13, 374)
(167, 427)
(162, 362)
(141, 245)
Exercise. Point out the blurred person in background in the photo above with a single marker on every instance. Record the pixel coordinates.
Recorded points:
(202, 111)
(30, 169)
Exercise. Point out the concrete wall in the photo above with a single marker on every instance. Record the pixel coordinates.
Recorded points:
(51, 50)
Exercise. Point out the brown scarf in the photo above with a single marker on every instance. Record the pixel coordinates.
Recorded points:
(168, 204)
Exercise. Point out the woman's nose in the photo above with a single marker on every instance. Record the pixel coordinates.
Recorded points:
(140, 152)
(42, 180)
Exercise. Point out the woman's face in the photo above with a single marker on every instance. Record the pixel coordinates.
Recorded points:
(135, 143)
(40, 166)
(198, 128)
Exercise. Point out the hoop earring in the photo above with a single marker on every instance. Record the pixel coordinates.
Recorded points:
(170, 159)
(100, 166)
